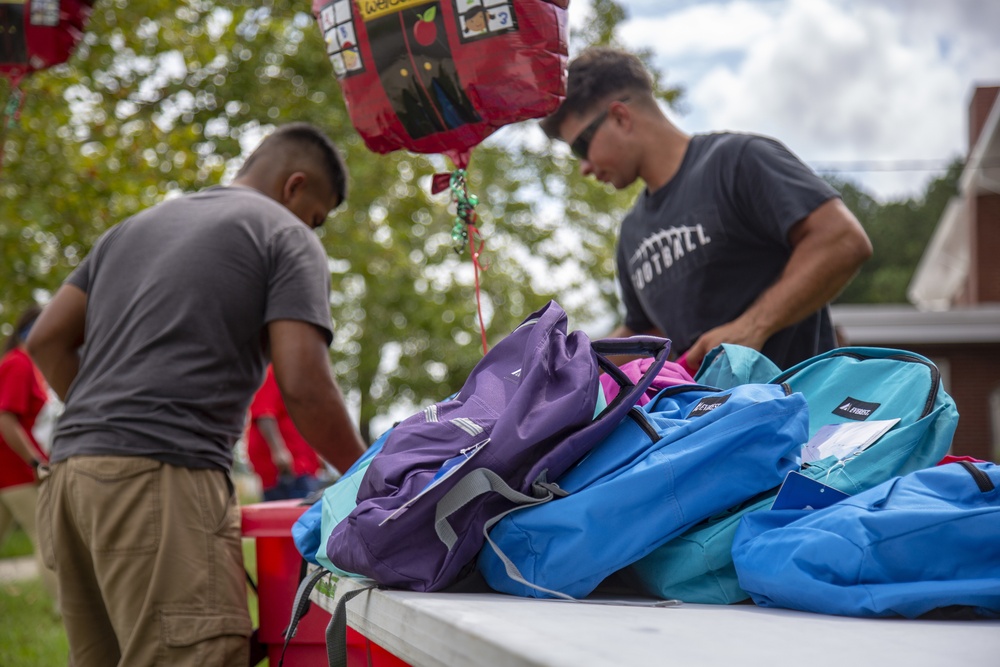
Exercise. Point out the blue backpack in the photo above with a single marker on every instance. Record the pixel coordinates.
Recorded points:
(926, 541)
(690, 452)
(523, 417)
(841, 386)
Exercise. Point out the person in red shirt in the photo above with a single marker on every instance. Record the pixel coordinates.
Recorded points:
(23, 394)
(287, 466)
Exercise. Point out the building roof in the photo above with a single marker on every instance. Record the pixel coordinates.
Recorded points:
(899, 325)
(982, 170)
(944, 266)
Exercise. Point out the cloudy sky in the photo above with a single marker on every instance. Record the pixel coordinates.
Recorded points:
(881, 84)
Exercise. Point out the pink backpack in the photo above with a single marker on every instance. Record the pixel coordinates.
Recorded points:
(670, 375)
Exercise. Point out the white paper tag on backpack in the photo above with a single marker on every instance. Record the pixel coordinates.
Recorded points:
(844, 440)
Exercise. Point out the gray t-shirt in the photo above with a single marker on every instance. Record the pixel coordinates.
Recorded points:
(698, 252)
(175, 345)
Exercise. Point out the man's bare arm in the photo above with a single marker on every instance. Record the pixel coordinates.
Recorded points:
(57, 336)
(312, 396)
(16, 437)
(828, 248)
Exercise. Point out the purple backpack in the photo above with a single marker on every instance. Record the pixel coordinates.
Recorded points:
(446, 474)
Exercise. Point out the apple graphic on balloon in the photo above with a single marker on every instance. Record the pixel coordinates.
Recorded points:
(424, 31)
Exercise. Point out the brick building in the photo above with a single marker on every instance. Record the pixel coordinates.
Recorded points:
(955, 292)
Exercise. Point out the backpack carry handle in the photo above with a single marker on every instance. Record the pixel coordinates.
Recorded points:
(648, 346)
(552, 465)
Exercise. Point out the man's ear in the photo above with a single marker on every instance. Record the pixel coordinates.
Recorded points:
(623, 115)
(293, 185)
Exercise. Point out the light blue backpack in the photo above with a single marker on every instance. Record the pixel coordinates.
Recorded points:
(731, 365)
(851, 384)
(688, 453)
(921, 543)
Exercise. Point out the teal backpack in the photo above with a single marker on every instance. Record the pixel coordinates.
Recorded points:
(313, 528)
(730, 365)
(850, 384)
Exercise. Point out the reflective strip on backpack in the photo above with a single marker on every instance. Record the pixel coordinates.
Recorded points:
(467, 425)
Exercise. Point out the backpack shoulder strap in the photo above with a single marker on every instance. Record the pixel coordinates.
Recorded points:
(475, 484)
(300, 606)
(336, 631)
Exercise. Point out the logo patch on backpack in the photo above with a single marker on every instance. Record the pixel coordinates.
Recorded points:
(708, 404)
(854, 409)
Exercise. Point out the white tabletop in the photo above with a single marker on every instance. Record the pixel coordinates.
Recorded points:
(494, 630)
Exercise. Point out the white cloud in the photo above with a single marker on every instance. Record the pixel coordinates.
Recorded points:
(837, 81)
(707, 29)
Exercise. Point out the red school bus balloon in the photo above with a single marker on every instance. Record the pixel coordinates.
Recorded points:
(35, 34)
(439, 76)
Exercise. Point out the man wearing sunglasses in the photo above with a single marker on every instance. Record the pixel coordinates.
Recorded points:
(733, 240)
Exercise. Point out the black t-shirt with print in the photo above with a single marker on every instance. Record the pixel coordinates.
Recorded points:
(698, 252)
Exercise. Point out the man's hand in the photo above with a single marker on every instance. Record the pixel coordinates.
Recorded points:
(17, 439)
(735, 332)
(280, 455)
(283, 462)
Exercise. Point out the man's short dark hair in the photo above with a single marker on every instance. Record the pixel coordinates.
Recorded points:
(595, 76)
(21, 328)
(313, 140)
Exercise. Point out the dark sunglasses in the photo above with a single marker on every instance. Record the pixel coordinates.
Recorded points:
(581, 145)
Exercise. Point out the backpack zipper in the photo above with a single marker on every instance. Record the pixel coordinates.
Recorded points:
(935, 373)
(983, 480)
(639, 417)
(680, 389)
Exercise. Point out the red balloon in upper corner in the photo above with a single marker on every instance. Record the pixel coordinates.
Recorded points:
(39, 33)
(439, 76)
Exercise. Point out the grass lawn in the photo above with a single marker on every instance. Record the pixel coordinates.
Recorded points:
(30, 633)
(16, 544)
(33, 635)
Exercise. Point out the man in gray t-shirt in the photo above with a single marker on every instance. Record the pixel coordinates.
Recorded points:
(156, 343)
(734, 240)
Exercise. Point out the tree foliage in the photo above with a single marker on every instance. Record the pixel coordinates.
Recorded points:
(899, 232)
(163, 98)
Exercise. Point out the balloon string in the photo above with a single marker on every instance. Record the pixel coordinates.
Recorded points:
(465, 231)
(475, 251)
(11, 114)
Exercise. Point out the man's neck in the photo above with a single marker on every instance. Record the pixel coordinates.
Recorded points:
(664, 155)
(252, 184)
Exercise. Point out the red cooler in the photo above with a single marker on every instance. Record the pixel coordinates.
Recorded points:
(278, 566)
